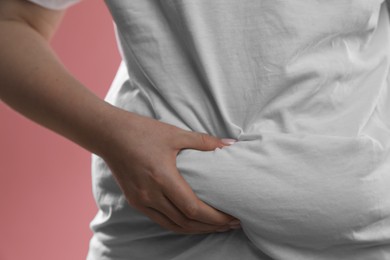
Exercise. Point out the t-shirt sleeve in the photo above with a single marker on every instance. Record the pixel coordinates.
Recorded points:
(55, 4)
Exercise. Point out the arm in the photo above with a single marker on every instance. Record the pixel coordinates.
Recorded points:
(35, 83)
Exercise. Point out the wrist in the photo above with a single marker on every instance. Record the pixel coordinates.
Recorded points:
(111, 126)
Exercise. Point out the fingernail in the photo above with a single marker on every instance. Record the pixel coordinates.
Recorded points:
(228, 141)
(234, 222)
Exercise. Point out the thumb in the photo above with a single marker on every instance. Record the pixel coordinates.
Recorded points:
(204, 142)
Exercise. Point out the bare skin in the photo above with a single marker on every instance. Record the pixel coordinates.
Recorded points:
(35, 83)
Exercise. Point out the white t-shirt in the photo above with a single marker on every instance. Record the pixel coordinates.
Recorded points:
(55, 4)
(302, 85)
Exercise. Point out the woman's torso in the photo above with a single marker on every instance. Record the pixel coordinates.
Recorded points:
(233, 68)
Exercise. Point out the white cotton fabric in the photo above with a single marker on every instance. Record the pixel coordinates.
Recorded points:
(302, 85)
(55, 4)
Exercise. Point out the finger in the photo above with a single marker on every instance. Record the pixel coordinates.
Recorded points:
(199, 141)
(166, 207)
(166, 223)
(181, 195)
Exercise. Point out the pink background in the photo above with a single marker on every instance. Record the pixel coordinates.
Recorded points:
(45, 181)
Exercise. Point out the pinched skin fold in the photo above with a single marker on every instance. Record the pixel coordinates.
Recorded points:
(307, 193)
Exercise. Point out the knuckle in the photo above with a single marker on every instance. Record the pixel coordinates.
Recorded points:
(156, 175)
(191, 210)
(144, 197)
(179, 138)
(176, 136)
(203, 139)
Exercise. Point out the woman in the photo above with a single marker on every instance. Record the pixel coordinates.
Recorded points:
(302, 85)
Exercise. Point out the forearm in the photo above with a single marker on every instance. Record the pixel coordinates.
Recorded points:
(35, 83)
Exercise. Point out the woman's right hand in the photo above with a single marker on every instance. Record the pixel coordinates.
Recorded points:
(140, 151)
(142, 157)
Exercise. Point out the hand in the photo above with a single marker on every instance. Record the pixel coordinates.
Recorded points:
(142, 158)
(140, 151)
